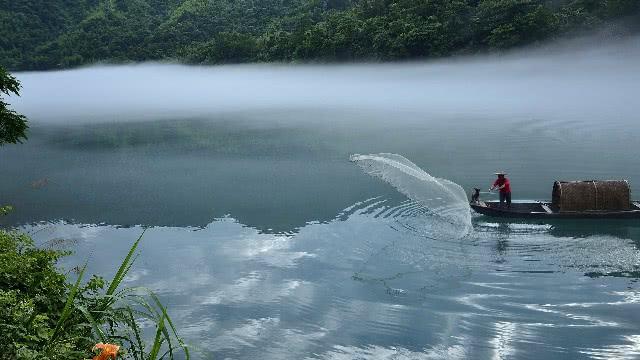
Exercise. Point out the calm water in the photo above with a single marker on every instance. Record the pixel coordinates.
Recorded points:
(266, 242)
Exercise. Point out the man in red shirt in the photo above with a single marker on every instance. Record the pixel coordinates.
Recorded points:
(503, 184)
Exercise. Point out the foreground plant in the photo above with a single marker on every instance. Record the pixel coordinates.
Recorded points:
(44, 317)
(13, 126)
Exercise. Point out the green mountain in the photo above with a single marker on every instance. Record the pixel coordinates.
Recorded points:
(51, 34)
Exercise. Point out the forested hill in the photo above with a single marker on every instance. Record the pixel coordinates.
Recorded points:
(36, 34)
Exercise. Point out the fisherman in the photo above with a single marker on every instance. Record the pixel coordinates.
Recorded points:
(503, 184)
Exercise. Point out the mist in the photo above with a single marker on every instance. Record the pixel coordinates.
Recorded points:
(598, 81)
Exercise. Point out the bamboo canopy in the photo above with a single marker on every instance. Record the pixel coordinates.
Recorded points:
(591, 195)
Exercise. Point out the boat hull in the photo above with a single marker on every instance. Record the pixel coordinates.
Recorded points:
(541, 210)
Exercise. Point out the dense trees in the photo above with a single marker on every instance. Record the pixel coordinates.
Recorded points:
(64, 33)
(13, 126)
(505, 23)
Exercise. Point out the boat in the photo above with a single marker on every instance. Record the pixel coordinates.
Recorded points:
(590, 199)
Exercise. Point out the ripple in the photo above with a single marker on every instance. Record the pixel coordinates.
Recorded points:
(505, 334)
(392, 353)
(380, 281)
(630, 350)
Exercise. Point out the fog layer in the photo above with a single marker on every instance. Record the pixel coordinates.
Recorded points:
(600, 81)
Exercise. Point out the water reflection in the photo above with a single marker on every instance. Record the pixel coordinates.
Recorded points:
(570, 228)
(370, 284)
(622, 229)
(630, 349)
(502, 241)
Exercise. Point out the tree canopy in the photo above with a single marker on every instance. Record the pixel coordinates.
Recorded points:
(65, 33)
(13, 126)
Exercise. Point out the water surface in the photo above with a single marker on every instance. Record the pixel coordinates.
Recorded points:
(266, 242)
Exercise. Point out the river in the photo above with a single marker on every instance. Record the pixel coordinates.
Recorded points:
(265, 241)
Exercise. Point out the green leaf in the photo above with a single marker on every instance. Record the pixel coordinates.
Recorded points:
(124, 267)
(157, 341)
(95, 325)
(68, 307)
(173, 328)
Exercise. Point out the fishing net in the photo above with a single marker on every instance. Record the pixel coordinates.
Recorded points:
(443, 201)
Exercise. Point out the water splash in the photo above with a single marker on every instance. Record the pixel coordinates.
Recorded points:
(444, 201)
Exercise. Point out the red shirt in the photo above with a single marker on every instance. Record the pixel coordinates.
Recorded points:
(504, 181)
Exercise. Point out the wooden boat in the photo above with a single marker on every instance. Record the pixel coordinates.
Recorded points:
(609, 199)
(543, 210)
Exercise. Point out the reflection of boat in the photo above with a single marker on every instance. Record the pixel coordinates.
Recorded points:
(609, 199)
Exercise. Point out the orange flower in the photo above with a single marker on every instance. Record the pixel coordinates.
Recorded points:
(109, 351)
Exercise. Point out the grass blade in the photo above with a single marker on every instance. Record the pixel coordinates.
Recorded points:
(157, 342)
(138, 354)
(68, 306)
(92, 321)
(124, 267)
(173, 328)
